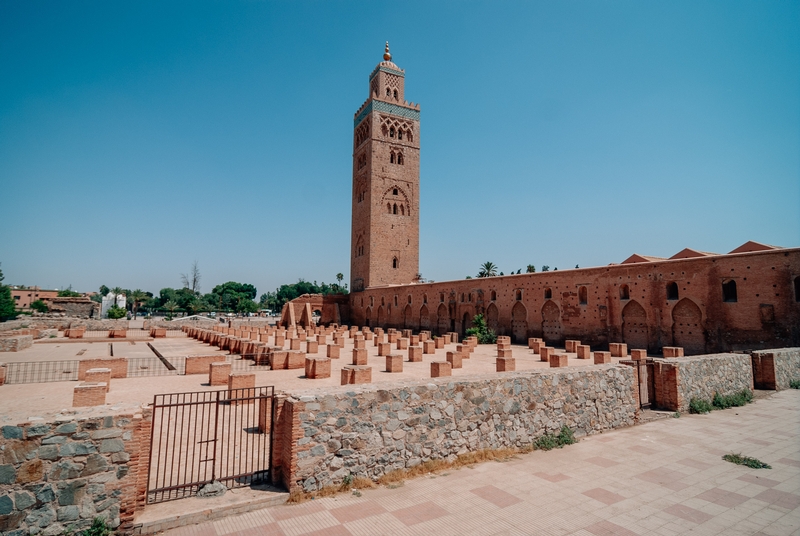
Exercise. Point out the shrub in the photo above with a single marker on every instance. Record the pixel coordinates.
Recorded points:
(753, 463)
(553, 441)
(39, 306)
(794, 384)
(480, 330)
(115, 312)
(735, 400)
(699, 406)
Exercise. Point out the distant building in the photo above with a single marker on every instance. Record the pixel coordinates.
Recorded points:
(24, 297)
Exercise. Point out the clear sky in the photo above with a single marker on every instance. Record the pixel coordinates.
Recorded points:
(137, 137)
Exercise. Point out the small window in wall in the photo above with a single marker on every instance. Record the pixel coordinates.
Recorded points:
(729, 291)
(462, 297)
(624, 292)
(394, 262)
(797, 289)
(371, 301)
(388, 92)
(400, 158)
(583, 297)
(441, 298)
(409, 299)
(391, 158)
(399, 134)
(402, 210)
(394, 209)
(470, 297)
(391, 130)
(672, 291)
(394, 191)
(548, 293)
(493, 295)
(424, 298)
(395, 94)
(518, 295)
(395, 301)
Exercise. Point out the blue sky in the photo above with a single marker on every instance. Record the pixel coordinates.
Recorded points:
(138, 137)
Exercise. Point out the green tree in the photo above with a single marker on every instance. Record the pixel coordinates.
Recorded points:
(68, 293)
(137, 297)
(104, 290)
(480, 330)
(7, 305)
(171, 306)
(40, 306)
(531, 269)
(115, 312)
(545, 268)
(488, 269)
(117, 291)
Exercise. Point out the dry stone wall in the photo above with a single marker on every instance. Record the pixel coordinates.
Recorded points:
(63, 474)
(775, 369)
(15, 343)
(373, 430)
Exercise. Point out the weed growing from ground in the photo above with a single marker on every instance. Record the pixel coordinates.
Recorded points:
(735, 400)
(794, 384)
(699, 406)
(753, 463)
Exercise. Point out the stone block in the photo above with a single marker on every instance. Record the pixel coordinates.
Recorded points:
(246, 381)
(354, 374)
(312, 346)
(402, 343)
(545, 352)
(424, 336)
(89, 394)
(318, 367)
(618, 349)
(454, 358)
(503, 339)
(294, 344)
(428, 347)
(394, 363)
(393, 336)
(537, 346)
(439, 342)
(558, 360)
(322, 339)
(333, 351)
(295, 359)
(584, 351)
(638, 355)
(415, 354)
(218, 373)
(532, 341)
(118, 333)
(440, 369)
(280, 340)
(602, 358)
(99, 375)
(359, 344)
(413, 340)
(278, 359)
(359, 356)
(368, 336)
(405, 333)
(571, 346)
(505, 364)
(504, 352)
(118, 366)
(198, 364)
(672, 351)
(384, 348)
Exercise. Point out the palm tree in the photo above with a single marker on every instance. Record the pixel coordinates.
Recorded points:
(339, 278)
(117, 291)
(170, 306)
(137, 297)
(531, 269)
(488, 269)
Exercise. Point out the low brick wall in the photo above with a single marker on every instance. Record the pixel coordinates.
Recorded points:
(64, 474)
(775, 369)
(199, 364)
(15, 343)
(370, 430)
(118, 366)
(678, 380)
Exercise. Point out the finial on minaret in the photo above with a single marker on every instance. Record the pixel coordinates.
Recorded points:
(386, 55)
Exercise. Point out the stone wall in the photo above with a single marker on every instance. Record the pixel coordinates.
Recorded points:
(323, 436)
(679, 380)
(66, 473)
(15, 343)
(775, 369)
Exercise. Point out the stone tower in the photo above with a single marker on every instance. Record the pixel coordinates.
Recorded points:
(385, 228)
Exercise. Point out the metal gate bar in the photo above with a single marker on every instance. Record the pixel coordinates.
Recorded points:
(207, 436)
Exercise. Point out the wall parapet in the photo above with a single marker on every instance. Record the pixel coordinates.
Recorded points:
(371, 430)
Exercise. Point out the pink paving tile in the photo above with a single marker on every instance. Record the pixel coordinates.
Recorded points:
(790, 501)
(664, 477)
(558, 477)
(605, 439)
(607, 528)
(604, 496)
(602, 462)
(336, 530)
(781, 433)
(643, 450)
(282, 513)
(789, 461)
(696, 464)
(724, 498)
(270, 529)
(354, 512)
(757, 441)
(716, 452)
(496, 496)
(419, 513)
(759, 481)
(689, 514)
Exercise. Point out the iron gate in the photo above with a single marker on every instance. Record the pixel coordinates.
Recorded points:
(202, 437)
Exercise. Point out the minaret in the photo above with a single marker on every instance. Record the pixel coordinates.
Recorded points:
(385, 228)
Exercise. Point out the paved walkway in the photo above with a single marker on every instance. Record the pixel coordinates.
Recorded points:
(665, 478)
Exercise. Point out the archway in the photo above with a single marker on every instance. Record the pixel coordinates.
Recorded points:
(492, 316)
(466, 323)
(407, 318)
(424, 319)
(552, 330)
(687, 327)
(368, 317)
(381, 317)
(634, 326)
(443, 320)
(519, 323)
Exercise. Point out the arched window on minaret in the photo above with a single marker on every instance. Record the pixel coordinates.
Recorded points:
(394, 211)
(399, 134)
(391, 132)
(391, 157)
(395, 94)
(402, 210)
(394, 262)
(400, 158)
(388, 92)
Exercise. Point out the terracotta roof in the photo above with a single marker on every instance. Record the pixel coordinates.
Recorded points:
(689, 253)
(641, 258)
(753, 246)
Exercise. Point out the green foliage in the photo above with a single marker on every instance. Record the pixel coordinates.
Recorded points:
(553, 441)
(794, 384)
(530, 269)
(104, 290)
(488, 269)
(7, 306)
(97, 528)
(40, 306)
(752, 463)
(481, 330)
(676, 415)
(545, 268)
(286, 293)
(69, 293)
(730, 401)
(699, 406)
(116, 312)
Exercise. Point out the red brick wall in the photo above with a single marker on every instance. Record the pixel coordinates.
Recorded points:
(199, 364)
(118, 366)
